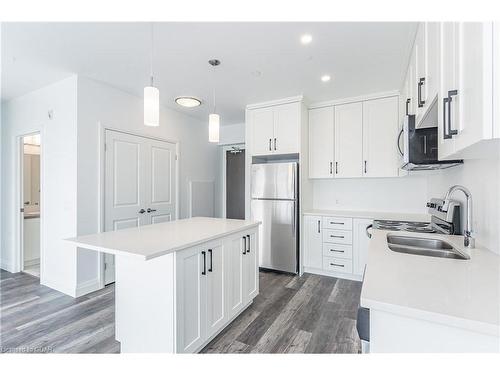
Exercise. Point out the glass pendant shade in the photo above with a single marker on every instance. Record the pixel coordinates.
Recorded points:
(213, 127)
(151, 106)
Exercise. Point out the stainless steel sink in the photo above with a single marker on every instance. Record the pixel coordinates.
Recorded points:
(424, 246)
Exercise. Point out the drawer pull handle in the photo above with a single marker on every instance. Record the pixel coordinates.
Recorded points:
(338, 251)
(337, 265)
(334, 222)
(332, 236)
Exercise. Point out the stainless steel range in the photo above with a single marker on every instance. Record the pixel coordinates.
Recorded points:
(444, 222)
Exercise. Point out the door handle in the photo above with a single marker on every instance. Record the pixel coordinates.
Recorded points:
(451, 132)
(319, 226)
(244, 245)
(336, 265)
(421, 102)
(407, 106)
(142, 210)
(204, 272)
(365, 167)
(210, 269)
(332, 236)
(336, 167)
(150, 210)
(337, 251)
(270, 142)
(331, 167)
(274, 144)
(248, 242)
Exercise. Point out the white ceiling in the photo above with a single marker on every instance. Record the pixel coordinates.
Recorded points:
(260, 61)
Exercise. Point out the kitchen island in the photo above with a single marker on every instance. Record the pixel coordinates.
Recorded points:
(179, 283)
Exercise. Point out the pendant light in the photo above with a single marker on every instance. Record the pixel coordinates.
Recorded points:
(213, 118)
(151, 96)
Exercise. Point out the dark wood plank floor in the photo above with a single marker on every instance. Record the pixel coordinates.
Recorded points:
(311, 314)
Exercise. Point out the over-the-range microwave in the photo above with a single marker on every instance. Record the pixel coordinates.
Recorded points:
(420, 148)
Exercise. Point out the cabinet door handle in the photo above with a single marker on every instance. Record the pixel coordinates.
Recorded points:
(150, 210)
(336, 223)
(331, 167)
(337, 265)
(365, 166)
(204, 272)
(274, 144)
(332, 236)
(445, 127)
(368, 234)
(210, 269)
(407, 106)
(270, 142)
(248, 243)
(142, 210)
(336, 167)
(319, 226)
(244, 245)
(421, 102)
(337, 251)
(451, 132)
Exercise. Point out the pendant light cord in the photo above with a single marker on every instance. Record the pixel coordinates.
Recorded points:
(151, 57)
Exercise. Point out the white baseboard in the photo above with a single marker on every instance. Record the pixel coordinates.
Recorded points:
(7, 266)
(31, 262)
(87, 287)
(339, 275)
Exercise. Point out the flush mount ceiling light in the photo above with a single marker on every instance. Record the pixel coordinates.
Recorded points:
(326, 78)
(213, 118)
(188, 101)
(151, 96)
(306, 39)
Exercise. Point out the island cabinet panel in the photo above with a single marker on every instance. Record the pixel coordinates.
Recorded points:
(216, 307)
(234, 274)
(250, 269)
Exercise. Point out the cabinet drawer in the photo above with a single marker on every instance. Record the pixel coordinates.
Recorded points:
(342, 223)
(337, 236)
(338, 251)
(337, 264)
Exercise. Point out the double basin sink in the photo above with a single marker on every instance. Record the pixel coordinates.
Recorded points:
(424, 246)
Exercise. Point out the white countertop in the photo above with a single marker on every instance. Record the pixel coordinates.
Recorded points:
(370, 214)
(151, 241)
(459, 293)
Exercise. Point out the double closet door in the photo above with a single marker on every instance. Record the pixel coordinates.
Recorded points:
(139, 184)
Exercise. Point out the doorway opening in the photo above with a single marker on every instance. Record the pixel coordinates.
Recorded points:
(233, 206)
(31, 203)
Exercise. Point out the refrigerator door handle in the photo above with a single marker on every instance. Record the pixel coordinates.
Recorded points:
(293, 218)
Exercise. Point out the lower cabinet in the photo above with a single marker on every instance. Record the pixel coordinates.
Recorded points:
(335, 252)
(214, 283)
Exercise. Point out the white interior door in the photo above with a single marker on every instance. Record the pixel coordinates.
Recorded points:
(139, 185)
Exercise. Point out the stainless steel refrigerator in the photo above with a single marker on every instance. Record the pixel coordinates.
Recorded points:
(274, 202)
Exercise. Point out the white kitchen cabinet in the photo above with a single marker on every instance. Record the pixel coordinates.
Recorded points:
(234, 275)
(348, 140)
(360, 244)
(321, 142)
(275, 129)
(216, 306)
(380, 133)
(465, 108)
(496, 83)
(313, 257)
(191, 299)
(262, 123)
(250, 268)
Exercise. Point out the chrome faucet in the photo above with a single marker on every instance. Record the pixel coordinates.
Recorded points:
(469, 241)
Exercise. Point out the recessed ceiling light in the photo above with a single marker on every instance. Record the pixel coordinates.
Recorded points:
(326, 78)
(188, 101)
(306, 39)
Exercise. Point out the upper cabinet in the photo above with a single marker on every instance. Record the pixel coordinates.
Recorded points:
(348, 140)
(380, 134)
(275, 129)
(465, 107)
(354, 140)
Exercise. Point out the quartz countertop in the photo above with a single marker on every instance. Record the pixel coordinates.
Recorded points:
(151, 241)
(376, 215)
(458, 293)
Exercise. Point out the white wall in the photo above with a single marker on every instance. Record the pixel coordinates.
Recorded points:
(99, 103)
(403, 194)
(481, 177)
(231, 134)
(27, 114)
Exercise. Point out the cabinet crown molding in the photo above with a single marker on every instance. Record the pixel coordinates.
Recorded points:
(354, 99)
(271, 103)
